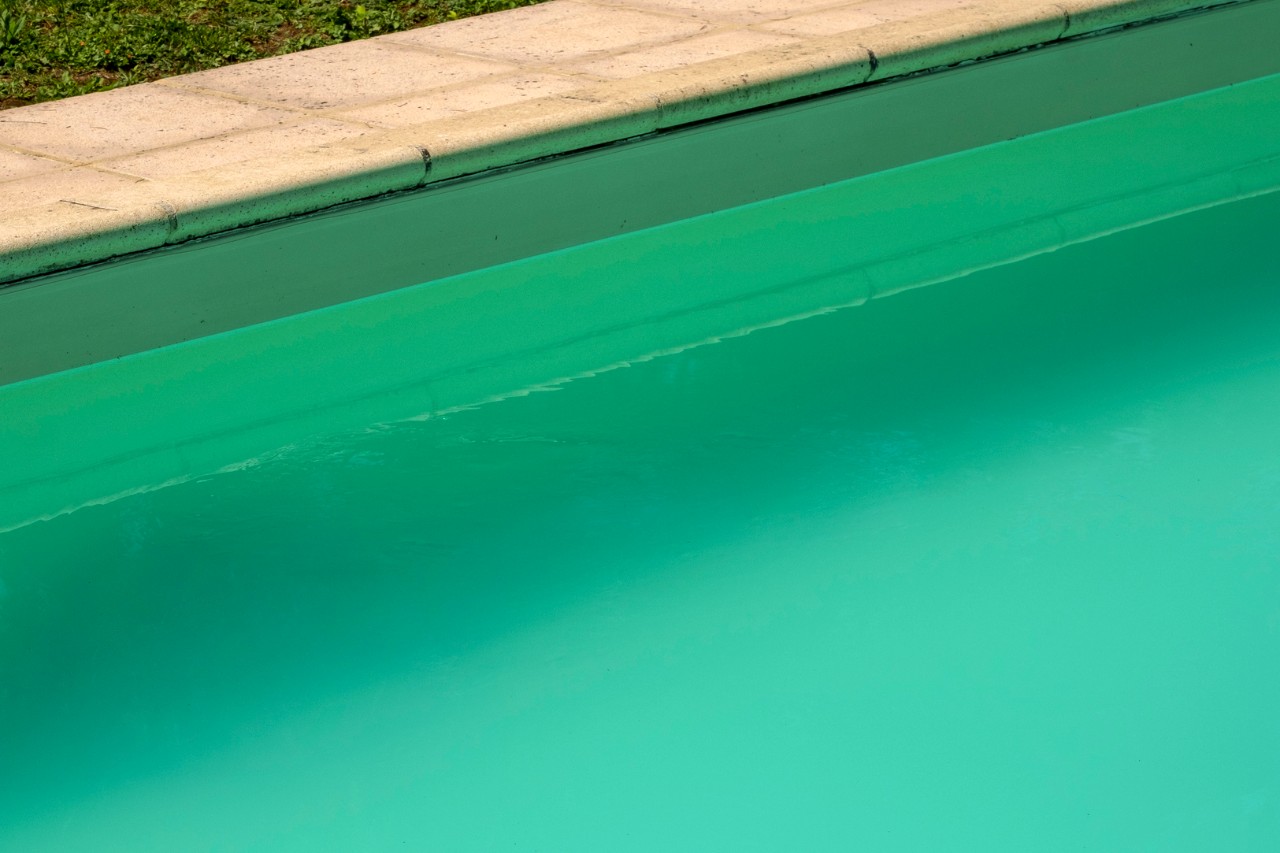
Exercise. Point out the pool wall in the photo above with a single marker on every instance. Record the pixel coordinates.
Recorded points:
(525, 132)
(487, 284)
(532, 324)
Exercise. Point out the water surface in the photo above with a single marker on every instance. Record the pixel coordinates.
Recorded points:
(993, 564)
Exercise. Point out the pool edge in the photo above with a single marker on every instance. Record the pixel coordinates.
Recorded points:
(82, 229)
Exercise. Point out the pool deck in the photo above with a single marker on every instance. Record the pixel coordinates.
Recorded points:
(104, 175)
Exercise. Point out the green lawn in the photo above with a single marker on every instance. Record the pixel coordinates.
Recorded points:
(55, 48)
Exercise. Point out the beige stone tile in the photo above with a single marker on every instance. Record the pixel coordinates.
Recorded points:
(1090, 15)
(515, 133)
(127, 121)
(905, 10)
(825, 23)
(743, 11)
(15, 165)
(953, 32)
(552, 33)
(731, 84)
(342, 75)
(272, 188)
(678, 54)
(862, 15)
(81, 184)
(58, 236)
(276, 141)
(465, 99)
(618, 109)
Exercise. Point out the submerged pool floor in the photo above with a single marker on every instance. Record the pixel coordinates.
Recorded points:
(993, 564)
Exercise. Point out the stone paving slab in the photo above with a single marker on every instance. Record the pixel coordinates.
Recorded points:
(691, 51)
(342, 75)
(417, 110)
(100, 175)
(64, 185)
(553, 33)
(130, 120)
(15, 165)
(231, 151)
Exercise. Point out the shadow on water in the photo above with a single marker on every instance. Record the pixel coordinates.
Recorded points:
(157, 630)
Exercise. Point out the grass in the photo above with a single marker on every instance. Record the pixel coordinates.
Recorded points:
(52, 49)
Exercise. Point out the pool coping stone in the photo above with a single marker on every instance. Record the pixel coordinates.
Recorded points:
(98, 176)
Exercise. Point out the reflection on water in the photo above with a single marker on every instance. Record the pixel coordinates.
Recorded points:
(983, 564)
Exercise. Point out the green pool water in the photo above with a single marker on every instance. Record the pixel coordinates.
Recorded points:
(992, 564)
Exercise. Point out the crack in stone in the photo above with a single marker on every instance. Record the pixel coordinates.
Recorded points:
(85, 204)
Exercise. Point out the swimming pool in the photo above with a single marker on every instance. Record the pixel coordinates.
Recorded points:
(823, 557)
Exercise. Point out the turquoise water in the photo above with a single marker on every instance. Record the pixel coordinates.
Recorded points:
(988, 565)
(992, 564)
